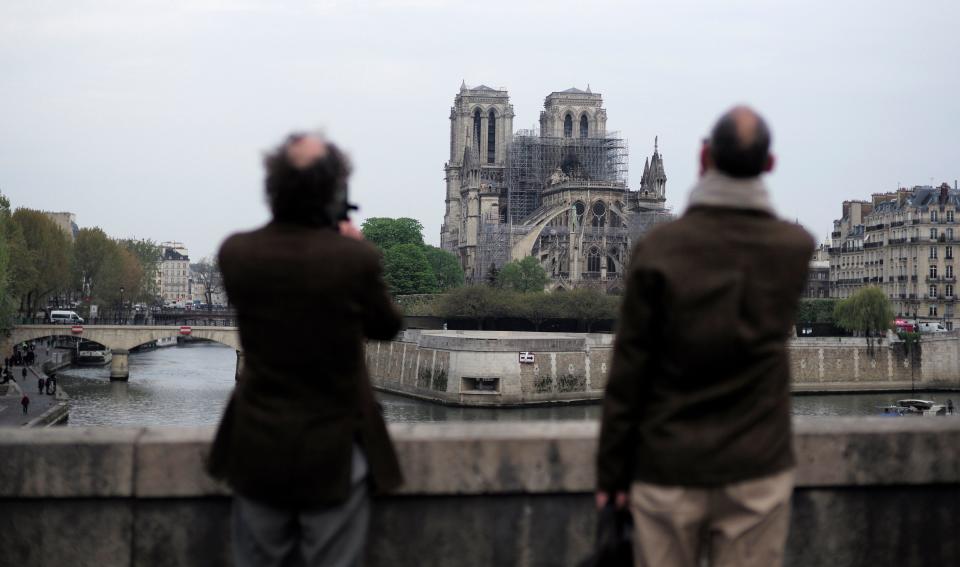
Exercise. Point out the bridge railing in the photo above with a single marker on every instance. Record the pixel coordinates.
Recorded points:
(194, 319)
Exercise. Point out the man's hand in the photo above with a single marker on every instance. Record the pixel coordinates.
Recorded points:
(350, 230)
(619, 499)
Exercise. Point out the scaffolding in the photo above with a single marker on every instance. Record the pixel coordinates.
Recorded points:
(532, 160)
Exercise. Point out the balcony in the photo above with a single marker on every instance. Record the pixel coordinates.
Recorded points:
(949, 279)
(835, 234)
(913, 278)
(915, 221)
(914, 239)
(893, 241)
(875, 227)
(901, 278)
(896, 224)
(870, 245)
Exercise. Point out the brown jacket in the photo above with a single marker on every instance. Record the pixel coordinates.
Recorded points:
(306, 299)
(699, 388)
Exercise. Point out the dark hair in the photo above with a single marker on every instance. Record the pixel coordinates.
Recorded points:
(736, 152)
(310, 196)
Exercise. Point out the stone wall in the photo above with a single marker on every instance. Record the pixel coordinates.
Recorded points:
(849, 364)
(870, 491)
(446, 366)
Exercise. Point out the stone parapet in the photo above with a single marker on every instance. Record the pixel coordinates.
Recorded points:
(870, 491)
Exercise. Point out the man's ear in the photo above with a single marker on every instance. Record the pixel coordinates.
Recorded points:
(705, 161)
(771, 161)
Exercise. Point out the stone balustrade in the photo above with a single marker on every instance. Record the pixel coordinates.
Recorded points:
(870, 491)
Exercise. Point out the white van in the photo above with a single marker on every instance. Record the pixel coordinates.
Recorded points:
(932, 327)
(65, 317)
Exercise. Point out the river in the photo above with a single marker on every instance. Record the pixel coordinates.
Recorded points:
(188, 385)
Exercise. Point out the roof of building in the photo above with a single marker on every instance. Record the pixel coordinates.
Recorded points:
(171, 254)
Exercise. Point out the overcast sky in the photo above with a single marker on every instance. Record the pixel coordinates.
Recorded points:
(148, 119)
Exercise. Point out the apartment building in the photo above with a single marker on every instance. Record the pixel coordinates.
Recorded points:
(905, 243)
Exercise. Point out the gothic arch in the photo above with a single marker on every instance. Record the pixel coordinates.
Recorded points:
(584, 126)
(568, 125)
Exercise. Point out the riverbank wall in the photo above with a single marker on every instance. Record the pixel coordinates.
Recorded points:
(492, 368)
(504, 368)
(870, 491)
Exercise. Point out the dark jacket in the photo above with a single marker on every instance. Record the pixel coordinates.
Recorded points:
(699, 387)
(306, 300)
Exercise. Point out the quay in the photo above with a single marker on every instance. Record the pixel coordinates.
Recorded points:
(45, 410)
(870, 491)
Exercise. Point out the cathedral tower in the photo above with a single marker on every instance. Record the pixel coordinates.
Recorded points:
(481, 128)
(573, 113)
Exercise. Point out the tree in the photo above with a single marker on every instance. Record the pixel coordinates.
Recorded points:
(386, 233)
(446, 268)
(148, 255)
(589, 305)
(407, 270)
(6, 284)
(49, 252)
(206, 273)
(539, 306)
(816, 310)
(523, 275)
(477, 302)
(868, 311)
(94, 262)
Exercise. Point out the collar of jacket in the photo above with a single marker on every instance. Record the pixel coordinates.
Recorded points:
(716, 189)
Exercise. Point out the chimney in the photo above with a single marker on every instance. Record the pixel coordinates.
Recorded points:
(944, 193)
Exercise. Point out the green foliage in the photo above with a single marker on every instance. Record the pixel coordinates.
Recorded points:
(816, 310)
(589, 305)
(386, 233)
(446, 268)
(147, 253)
(47, 259)
(537, 307)
(6, 300)
(101, 266)
(415, 267)
(407, 270)
(867, 311)
(523, 275)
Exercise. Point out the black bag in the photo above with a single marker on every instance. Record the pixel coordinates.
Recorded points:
(614, 544)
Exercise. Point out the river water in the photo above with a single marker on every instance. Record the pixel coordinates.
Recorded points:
(189, 385)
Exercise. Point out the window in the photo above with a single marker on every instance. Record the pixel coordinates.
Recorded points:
(933, 234)
(584, 126)
(599, 215)
(933, 291)
(948, 253)
(593, 260)
(933, 271)
(568, 126)
(933, 216)
(949, 216)
(476, 129)
(950, 234)
(949, 290)
(949, 273)
(933, 311)
(491, 137)
(933, 251)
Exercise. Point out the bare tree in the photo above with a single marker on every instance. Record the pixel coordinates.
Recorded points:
(206, 275)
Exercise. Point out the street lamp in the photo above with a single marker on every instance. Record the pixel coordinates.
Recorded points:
(121, 305)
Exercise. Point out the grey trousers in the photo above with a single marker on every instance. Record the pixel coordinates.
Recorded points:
(264, 536)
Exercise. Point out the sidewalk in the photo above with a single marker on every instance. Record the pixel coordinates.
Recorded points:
(11, 412)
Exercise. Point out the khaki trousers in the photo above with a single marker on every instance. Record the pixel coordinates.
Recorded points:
(742, 524)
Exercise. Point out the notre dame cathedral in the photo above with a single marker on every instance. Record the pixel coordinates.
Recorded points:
(559, 194)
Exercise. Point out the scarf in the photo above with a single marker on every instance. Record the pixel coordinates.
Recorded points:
(716, 189)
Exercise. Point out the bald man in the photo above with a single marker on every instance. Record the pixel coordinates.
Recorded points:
(695, 434)
(302, 442)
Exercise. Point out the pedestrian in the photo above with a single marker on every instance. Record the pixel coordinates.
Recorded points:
(302, 470)
(40, 383)
(25, 402)
(696, 433)
(23, 373)
(52, 384)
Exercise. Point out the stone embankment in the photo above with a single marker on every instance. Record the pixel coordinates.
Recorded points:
(492, 368)
(45, 409)
(502, 368)
(870, 491)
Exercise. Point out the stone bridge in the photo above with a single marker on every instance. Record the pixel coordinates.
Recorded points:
(122, 338)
